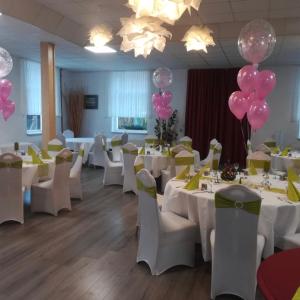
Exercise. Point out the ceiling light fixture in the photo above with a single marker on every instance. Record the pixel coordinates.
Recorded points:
(100, 49)
(142, 35)
(198, 38)
(168, 11)
(100, 36)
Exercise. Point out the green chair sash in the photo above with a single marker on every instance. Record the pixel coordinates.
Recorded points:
(187, 143)
(116, 143)
(81, 152)
(292, 192)
(45, 154)
(215, 164)
(183, 161)
(138, 168)
(142, 151)
(132, 152)
(252, 207)
(60, 160)
(271, 144)
(151, 191)
(173, 153)
(55, 148)
(183, 174)
(259, 164)
(11, 165)
(151, 141)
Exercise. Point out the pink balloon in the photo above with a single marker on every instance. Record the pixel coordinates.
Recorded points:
(166, 98)
(164, 112)
(258, 114)
(156, 98)
(8, 110)
(265, 83)
(238, 104)
(246, 78)
(5, 88)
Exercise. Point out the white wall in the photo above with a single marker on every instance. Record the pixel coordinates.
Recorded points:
(97, 83)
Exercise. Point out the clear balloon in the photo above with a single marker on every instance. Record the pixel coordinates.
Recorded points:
(258, 114)
(238, 104)
(162, 78)
(6, 63)
(265, 83)
(256, 41)
(246, 78)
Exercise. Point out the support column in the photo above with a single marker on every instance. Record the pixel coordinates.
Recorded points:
(48, 92)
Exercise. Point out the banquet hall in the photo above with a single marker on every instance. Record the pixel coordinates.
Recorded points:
(149, 149)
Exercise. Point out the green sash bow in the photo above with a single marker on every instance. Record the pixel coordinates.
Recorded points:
(60, 160)
(133, 152)
(11, 165)
(173, 153)
(55, 148)
(45, 154)
(138, 168)
(186, 143)
(81, 152)
(182, 161)
(149, 190)
(151, 141)
(116, 143)
(252, 207)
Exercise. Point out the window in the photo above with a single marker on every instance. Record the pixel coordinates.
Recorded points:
(33, 124)
(129, 100)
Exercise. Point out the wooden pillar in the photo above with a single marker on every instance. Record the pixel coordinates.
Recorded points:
(48, 92)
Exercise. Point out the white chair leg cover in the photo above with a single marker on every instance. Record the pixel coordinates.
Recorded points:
(112, 172)
(75, 175)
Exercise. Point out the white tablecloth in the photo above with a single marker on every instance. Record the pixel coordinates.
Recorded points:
(10, 147)
(277, 217)
(282, 163)
(88, 142)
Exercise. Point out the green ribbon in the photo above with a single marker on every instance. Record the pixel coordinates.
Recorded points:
(133, 152)
(151, 141)
(270, 144)
(174, 153)
(60, 160)
(11, 165)
(55, 148)
(45, 154)
(252, 207)
(138, 168)
(116, 143)
(186, 143)
(149, 190)
(182, 161)
(81, 152)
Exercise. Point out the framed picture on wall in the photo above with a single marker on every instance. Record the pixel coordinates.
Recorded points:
(91, 102)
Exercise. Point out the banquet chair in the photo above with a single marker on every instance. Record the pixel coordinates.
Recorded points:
(258, 162)
(183, 160)
(217, 152)
(290, 241)
(62, 138)
(210, 154)
(130, 153)
(270, 142)
(186, 141)
(96, 157)
(116, 143)
(236, 246)
(165, 239)
(112, 171)
(150, 140)
(75, 173)
(124, 138)
(54, 147)
(11, 196)
(68, 133)
(53, 195)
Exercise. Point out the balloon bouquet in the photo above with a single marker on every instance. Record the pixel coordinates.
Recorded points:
(7, 107)
(256, 43)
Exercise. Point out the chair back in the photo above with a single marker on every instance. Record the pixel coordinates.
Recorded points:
(99, 145)
(249, 147)
(116, 143)
(186, 141)
(62, 138)
(270, 142)
(68, 133)
(183, 159)
(210, 154)
(151, 139)
(54, 147)
(124, 138)
(130, 152)
(259, 162)
(139, 164)
(76, 169)
(217, 152)
(235, 249)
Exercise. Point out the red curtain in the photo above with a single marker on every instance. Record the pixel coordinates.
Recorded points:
(208, 115)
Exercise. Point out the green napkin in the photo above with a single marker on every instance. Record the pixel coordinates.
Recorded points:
(166, 152)
(30, 151)
(35, 159)
(142, 151)
(193, 184)
(251, 169)
(293, 193)
(292, 175)
(184, 173)
(285, 151)
(297, 295)
(45, 154)
(275, 150)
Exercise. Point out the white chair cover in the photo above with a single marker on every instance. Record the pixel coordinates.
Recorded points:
(290, 241)
(54, 147)
(11, 196)
(260, 161)
(217, 152)
(116, 143)
(236, 247)
(165, 239)
(68, 133)
(183, 159)
(270, 142)
(130, 153)
(112, 171)
(124, 138)
(249, 147)
(210, 154)
(75, 174)
(53, 195)
(186, 141)
(62, 138)
(96, 157)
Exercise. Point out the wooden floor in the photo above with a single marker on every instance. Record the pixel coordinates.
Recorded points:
(89, 253)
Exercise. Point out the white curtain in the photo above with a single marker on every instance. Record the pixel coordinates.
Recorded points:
(295, 94)
(129, 94)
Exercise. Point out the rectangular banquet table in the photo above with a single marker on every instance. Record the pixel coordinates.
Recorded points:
(278, 216)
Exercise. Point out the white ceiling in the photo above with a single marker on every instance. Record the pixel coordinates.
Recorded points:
(67, 22)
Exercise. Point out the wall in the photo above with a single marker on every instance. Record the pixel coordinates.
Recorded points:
(98, 120)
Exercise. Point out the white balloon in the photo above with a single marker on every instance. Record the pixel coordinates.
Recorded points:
(6, 63)
(162, 77)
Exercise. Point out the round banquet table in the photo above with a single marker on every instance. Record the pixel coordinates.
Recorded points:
(278, 216)
(282, 163)
(278, 276)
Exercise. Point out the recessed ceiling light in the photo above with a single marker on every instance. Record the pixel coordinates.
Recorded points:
(102, 49)
(1, 13)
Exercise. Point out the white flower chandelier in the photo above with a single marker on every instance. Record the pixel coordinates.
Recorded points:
(198, 38)
(168, 11)
(142, 35)
(100, 36)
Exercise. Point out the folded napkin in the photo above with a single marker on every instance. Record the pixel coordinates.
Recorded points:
(285, 151)
(166, 152)
(35, 158)
(251, 169)
(297, 295)
(275, 150)
(193, 184)
(184, 173)
(292, 192)
(142, 151)
(45, 154)
(292, 175)
(30, 151)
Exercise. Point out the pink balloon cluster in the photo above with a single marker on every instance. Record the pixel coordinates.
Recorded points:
(251, 100)
(7, 107)
(161, 104)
